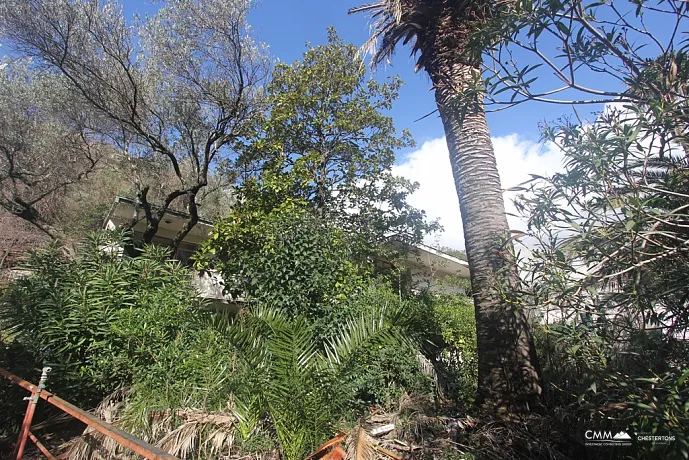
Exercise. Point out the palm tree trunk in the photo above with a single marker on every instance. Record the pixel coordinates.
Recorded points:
(509, 376)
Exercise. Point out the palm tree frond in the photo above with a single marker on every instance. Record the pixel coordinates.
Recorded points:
(390, 8)
(360, 446)
(387, 27)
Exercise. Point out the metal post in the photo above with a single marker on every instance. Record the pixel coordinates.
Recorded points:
(28, 417)
(123, 438)
(41, 447)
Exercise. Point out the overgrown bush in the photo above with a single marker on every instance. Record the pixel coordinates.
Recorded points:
(285, 259)
(610, 268)
(455, 320)
(101, 320)
(382, 374)
(132, 330)
(284, 385)
(443, 329)
(593, 382)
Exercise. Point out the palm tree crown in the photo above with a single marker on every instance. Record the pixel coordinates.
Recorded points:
(426, 26)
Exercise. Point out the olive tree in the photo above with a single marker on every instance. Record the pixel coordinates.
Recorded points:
(175, 89)
(44, 144)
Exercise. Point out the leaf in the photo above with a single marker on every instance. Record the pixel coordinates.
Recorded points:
(594, 5)
(562, 27)
(360, 446)
(683, 378)
(560, 256)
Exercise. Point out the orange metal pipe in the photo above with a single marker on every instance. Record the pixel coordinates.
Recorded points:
(140, 447)
(41, 447)
(28, 417)
(24, 432)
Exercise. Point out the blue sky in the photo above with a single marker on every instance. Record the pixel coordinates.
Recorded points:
(286, 26)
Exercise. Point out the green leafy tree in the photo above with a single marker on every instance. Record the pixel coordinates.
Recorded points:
(327, 137)
(324, 198)
(46, 147)
(610, 263)
(441, 33)
(288, 259)
(598, 53)
(611, 229)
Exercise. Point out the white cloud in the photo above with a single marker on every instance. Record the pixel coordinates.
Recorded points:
(430, 166)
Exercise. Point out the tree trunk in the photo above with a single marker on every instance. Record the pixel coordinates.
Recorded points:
(509, 376)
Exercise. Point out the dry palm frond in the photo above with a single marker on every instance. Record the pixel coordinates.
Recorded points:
(388, 27)
(219, 440)
(360, 446)
(181, 432)
(183, 440)
(51, 421)
(93, 444)
(212, 432)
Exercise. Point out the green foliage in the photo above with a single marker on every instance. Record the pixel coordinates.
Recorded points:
(600, 52)
(100, 321)
(616, 216)
(135, 324)
(660, 407)
(451, 454)
(387, 373)
(299, 381)
(639, 386)
(382, 374)
(298, 241)
(456, 322)
(442, 329)
(259, 444)
(611, 262)
(328, 142)
(292, 261)
(319, 337)
(170, 107)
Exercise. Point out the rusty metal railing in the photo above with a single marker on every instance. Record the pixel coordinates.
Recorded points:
(38, 392)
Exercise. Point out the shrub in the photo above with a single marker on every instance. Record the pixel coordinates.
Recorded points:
(456, 323)
(285, 259)
(101, 320)
(592, 379)
(296, 360)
